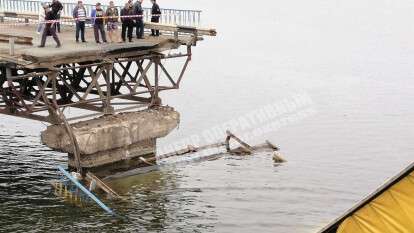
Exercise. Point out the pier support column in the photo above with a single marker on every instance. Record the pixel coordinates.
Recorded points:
(52, 106)
(116, 142)
(156, 100)
(107, 107)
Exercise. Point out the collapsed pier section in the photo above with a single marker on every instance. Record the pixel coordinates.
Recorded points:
(118, 84)
(114, 142)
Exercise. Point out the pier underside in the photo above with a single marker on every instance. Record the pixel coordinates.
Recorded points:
(98, 78)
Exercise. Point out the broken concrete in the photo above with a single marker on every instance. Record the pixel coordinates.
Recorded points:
(144, 149)
(115, 131)
(114, 142)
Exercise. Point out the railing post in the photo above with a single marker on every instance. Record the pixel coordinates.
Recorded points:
(11, 43)
(2, 9)
(155, 100)
(169, 16)
(108, 109)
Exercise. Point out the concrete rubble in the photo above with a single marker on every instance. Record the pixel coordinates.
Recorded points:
(113, 138)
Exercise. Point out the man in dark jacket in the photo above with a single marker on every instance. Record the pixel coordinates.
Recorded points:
(155, 18)
(57, 8)
(50, 29)
(139, 20)
(127, 22)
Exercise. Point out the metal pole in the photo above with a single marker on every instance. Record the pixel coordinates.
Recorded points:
(108, 108)
(86, 191)
(157, 61)
(11, 43)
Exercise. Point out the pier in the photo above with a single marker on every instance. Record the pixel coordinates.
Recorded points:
(115, 85)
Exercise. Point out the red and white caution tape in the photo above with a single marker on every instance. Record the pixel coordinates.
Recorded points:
(70, 20)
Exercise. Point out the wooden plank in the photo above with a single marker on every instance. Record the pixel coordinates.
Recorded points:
(91, 177)
(49, 58)
(7, 36)
(271, 145)
(178, 28)
(142, 159)
(244, 145)
(24, 40)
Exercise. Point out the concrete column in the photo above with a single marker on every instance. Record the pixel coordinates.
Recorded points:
(114, 139)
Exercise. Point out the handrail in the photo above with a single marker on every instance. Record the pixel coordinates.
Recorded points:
(86, 191)
(168, 16)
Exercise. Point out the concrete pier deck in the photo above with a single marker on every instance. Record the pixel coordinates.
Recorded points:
(33, 57)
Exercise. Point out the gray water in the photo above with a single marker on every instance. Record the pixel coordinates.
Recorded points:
(350, 59)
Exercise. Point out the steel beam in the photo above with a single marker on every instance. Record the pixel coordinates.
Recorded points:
(93, 86)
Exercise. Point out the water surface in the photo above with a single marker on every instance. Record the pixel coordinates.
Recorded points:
(351, 58)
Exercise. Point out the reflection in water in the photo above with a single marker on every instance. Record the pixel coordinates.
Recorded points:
(157, 202)
(154, 201)
(148, 192)
(358, 72)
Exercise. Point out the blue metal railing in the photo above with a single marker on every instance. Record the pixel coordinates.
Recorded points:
(169, 16)
(85, 190)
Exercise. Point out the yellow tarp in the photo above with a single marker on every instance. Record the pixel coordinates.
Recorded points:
(391, 212)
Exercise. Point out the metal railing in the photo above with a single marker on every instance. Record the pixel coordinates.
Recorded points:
(168, 16)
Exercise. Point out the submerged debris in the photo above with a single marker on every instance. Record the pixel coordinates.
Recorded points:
(277, 158)
(72, 189)
(191, 154)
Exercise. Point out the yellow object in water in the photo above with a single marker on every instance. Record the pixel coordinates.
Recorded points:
(389, 210)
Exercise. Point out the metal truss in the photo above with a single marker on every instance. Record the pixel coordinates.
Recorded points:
(98, 86)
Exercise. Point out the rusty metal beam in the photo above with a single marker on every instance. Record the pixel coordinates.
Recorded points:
(26, 116)
(93, 86)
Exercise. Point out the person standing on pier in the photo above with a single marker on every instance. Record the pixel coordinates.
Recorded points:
(98, 23)
(57, 8)
(42, 16)
(112, 22)
(79, 14)
(50, 29)
(140, 19)
(127, 22)
(155, 18)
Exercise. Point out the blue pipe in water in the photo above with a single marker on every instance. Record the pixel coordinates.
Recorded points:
(86, 191)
